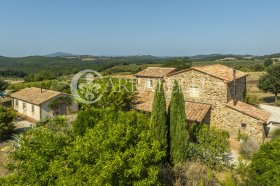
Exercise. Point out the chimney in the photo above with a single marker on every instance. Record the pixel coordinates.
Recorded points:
(234, 87)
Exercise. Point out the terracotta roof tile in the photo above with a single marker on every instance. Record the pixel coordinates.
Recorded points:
(144, 101)
(194, 111)
(34, 95)
(155, 72)
(216, 70)
(250, 110)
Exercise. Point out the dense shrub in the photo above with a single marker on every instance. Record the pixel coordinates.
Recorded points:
(116, 151)
(12, 74)
(6, 122)
(252, 99)
(117, 94)
(89, 118)
(209, 145)
(3, 85)
(179, 63)
(48, 84)
(266, 164)
(275, 133)
(194, 173)
(40, 76)
(268, 62)
(258, 68)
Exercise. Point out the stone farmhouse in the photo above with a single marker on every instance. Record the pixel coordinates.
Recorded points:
(213, 95)
(33, 103)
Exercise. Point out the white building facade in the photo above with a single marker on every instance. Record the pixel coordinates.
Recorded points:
(34, 103)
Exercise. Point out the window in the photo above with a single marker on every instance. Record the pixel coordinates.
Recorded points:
(16, 102)
(194, 92)
(243, 125)
(150, 83)
(33, 109)
(24, 106)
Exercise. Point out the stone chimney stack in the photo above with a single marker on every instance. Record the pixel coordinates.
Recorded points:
(234, 87)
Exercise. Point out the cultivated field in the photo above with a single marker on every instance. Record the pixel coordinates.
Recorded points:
(252, 89)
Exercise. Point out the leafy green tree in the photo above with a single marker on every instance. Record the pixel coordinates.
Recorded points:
(270, 82)
(118, 150)
(159, 127)
(209, 145)
(87, 119)
(180, 63)
(6, 121)
(115, 93)
(266, 164)
(178, 130)
(258, 67)
(40, 76)
(268, 62)
(3, 85)
(12, 73)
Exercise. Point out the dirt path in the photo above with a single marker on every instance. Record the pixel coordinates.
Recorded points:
(6, 146)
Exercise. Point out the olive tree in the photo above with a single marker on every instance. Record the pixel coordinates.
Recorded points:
(270, 82)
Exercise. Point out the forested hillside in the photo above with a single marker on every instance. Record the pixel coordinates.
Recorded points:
(19, 67)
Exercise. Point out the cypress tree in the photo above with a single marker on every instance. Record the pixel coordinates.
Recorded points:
(177, 121)
(159, 117)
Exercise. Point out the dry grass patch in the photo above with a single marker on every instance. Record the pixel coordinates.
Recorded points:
(5, 150)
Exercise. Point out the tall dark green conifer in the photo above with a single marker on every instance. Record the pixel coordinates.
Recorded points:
(178, 132)
(159, 117)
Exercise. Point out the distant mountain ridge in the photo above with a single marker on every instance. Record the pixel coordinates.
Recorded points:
(60, 54)
(203, 57)
(276, 55)
(218, 56)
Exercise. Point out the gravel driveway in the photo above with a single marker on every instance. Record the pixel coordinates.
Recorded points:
(275, 112)
(274, 118)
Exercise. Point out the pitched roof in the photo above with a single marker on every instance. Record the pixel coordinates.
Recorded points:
(250, 110)
(144, 101)
(194, 111)
(155, 72)
(216, 70)
(34, 95)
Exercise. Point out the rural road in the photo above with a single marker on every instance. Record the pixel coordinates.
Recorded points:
(275, 112)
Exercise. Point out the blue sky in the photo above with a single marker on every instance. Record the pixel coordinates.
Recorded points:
(130, 27)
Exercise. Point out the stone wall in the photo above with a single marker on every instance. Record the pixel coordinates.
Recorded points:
(231, 120)
(211, 90)
(216, 92)
(240, 89)
(142, 84)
